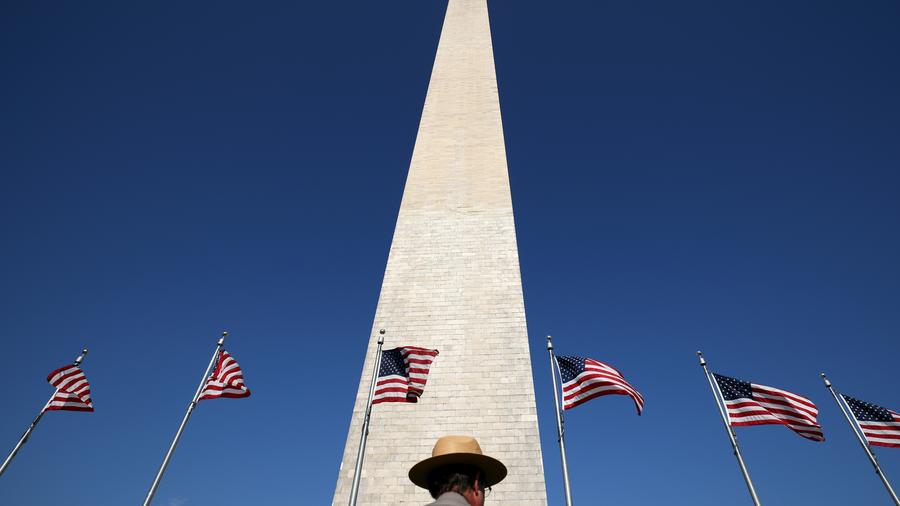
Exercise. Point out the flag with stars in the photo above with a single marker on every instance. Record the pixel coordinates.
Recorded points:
(403, 373)
(585, 378)
(881, 426)
(751, 404)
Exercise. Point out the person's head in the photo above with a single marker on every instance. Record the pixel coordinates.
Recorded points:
(465, 480)
(458, 465)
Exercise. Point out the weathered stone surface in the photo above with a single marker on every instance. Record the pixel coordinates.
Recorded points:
(453, 283)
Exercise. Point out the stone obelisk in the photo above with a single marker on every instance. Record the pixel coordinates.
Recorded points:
(453, 283)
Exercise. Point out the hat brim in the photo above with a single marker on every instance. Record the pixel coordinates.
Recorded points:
(494, 471)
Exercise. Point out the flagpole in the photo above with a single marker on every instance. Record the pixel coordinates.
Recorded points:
(857, 430)
(187, 415)
(731, 436)
(560, 432)
(360, 454)
(30, 429)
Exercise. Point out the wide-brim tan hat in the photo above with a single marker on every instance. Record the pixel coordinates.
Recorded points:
(458, 450)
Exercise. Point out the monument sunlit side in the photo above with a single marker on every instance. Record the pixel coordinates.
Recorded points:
(453, 284)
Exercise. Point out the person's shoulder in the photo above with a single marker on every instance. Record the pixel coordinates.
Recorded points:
(450, 499)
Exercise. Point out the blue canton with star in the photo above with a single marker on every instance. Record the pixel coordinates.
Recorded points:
(570, 367)
(733, 388)
(392, 364)
(866, 411)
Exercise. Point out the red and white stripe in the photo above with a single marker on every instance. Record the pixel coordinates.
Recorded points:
(226, 381)
(397, 388)
(418, 361)
(598, 379)
(882, 433)
(73, 392)
(392, 388)
(775, 406)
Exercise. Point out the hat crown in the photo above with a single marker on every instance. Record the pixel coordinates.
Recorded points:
(456, 444)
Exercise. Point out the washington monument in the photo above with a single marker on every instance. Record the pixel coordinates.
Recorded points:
(453, 283)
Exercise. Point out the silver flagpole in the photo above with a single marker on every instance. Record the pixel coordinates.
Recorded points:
(187, 415)
(560, 432)
(857, 430)
(354, 490)
(731, 437)
(30, 429)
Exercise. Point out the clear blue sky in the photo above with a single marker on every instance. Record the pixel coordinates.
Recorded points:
(686, 175)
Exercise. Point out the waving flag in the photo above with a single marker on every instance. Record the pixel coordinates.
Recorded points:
(226, 381)
(881, 426)
(403, 373)
(585, 378)
(751, 404)
(73, 392)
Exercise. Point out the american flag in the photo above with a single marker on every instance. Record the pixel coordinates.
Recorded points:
(226, 381)
(403, 373)
(73, 392)
(585, 378)
(751, 404)
(881, 426)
